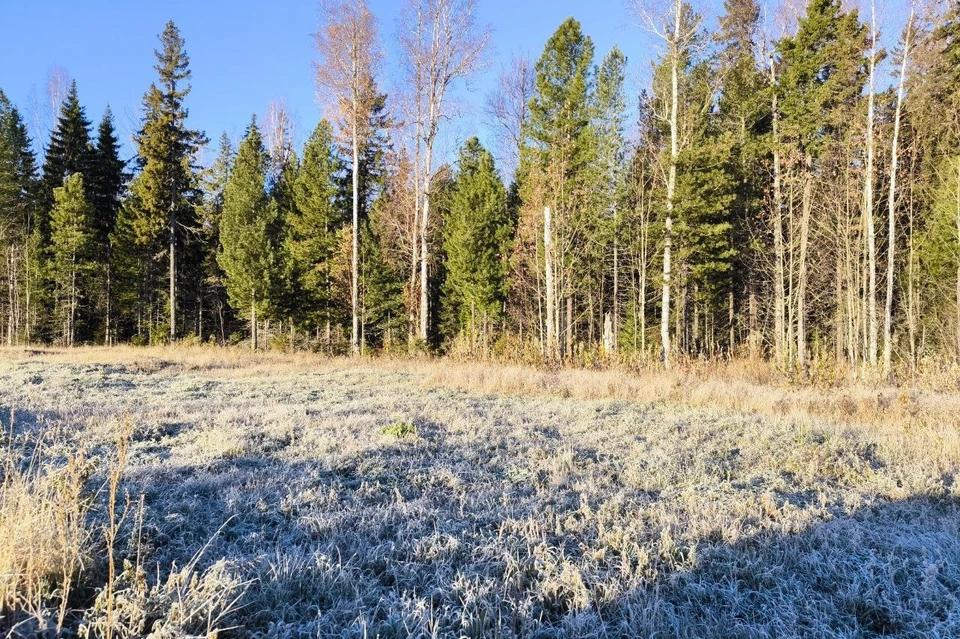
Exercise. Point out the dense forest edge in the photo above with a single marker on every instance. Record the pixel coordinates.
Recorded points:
(767, 202)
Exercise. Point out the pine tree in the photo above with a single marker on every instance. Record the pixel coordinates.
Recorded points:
(561, 153)
(477, 234)
(72, 239)
(743, 111)
(611, 107)
(167, 187)
(313, 232)
(247, 251)
(823, 68)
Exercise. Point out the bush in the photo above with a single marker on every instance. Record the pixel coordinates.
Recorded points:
(401, 429)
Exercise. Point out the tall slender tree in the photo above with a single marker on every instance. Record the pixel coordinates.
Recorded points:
(313, 232)
(442, 45)
(107, 183)
(561, 153)
(72, 240)
(167, 187)
(611, 104)
(346, 73)
(247, 251)
(477, 233)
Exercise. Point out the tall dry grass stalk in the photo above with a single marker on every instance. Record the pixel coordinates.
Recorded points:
(46, 540)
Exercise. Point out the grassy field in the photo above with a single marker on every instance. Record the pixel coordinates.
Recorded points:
(294, 496)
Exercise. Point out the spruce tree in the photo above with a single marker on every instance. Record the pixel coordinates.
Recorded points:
(106, 180)
(71, 246)
(743, 112)
(213, 294)
(167, 187)
(106, 184)
(246, 248)
(68, 152)
(477, 233)
(313, 232)
(18, 194)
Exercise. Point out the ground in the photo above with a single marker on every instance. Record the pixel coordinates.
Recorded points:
(307, 497)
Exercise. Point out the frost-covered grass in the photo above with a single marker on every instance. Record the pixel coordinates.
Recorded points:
(302, 497)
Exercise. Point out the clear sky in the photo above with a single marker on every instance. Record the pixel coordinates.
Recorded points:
(245, 54)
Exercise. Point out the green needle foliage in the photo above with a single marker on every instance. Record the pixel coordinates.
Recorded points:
(477, 234)
(247, 250)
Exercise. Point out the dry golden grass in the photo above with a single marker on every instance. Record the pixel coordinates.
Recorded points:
(46, 538)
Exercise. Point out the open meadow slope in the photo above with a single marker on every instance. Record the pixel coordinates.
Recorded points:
(333, 498)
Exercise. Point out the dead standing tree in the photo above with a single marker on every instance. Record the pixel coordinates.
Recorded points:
(441, 45)
(349, 58)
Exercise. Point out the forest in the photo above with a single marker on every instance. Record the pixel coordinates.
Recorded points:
(787, 190)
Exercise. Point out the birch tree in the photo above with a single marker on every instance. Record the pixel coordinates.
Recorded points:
(892, 200)
(678, 34)
(508, 110)
(441, 45)
(870, 307)
(346, 72)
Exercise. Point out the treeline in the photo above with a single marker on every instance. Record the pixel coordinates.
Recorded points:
(768, 200)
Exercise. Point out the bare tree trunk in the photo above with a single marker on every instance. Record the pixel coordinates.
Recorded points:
(671, 185)
(892, 206)
(73, 300)
(355, 275)
(911, 301)
(644, 235)
(958, 265)
(615, 328)
(424, 264)
(550, 285)
(802, 273)
(172, 230)
(253, 325)
(871, 305)
(10, 295)
(730, 320)
(780, 293)
(414, 246)
(28, 333)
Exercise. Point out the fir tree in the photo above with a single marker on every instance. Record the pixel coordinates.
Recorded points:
(246, 248)
(477, 234)
(106, 180)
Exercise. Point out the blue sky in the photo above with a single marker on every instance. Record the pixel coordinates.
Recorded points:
(245, 54)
